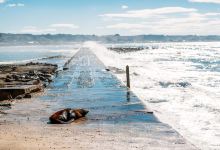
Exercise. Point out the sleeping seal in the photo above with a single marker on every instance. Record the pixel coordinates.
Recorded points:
(68, 115)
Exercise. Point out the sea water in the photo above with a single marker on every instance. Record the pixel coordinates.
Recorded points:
(56, 54)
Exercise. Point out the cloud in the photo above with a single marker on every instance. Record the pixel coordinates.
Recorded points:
(35, 30)
(165, 21)
(16, 5)
(70, 26)
(124, 7)
(2, 1)
(126, 26)
(20, 4)
(53, 28)
(146, 13)
(206, 1)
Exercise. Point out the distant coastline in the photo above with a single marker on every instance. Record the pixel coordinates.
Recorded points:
(30, 39)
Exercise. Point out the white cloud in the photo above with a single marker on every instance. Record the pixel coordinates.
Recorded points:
(206, 1)
(146, 13)
(16, 5)
(53, 28)
(70, 26)
(20, 4)
(12, 5)
(165, 21)
(2, 1)
(35, 30)
(124, 7)
(126, 26)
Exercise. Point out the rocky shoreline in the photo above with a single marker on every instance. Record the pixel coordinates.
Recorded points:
(127, 49)
(20, 81)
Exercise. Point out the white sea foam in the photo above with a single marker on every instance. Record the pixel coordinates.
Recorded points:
(192, 110)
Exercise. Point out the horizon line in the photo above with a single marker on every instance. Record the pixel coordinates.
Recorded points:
(116, 34)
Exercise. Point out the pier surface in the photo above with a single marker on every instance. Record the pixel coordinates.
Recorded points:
(117, 118)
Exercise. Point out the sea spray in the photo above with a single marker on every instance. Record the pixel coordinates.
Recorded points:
(109, 58)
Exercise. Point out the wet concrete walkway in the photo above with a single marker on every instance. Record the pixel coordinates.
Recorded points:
(117, 118)
(86, 84)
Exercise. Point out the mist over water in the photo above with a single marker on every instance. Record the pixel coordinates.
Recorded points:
(180, 82)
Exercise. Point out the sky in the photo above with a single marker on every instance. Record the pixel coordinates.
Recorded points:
(104, 17)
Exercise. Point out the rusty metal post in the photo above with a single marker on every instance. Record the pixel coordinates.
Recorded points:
(128, 76)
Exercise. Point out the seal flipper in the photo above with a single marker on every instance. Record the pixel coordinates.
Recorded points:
(80, 113)
(60, 117)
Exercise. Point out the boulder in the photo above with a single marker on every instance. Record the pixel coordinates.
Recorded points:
(17, 92)
(28, 95)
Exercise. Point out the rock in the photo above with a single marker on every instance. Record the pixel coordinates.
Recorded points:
(45, 85)
(8, 80)
(177, 84)
(36, 82)
(127, 49)
(5, 105)
(25, 80)
(20, 97)
(49, 80)
(16, 77)
(150, 112)
(3, 113)
(68, 115)
(183, 84)
(42, 78)
(18, 92)
(47, 75)
(32, 73)
(107, 69)
(9, 76)
(14, 68)
(136, 74)
(27, 76)
(28, 95)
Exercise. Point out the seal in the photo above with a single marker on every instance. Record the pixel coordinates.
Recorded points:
(67, 116)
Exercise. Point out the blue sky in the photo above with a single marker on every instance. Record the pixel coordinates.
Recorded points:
(101, 17)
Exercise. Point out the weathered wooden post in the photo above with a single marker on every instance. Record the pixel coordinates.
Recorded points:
(128, 76)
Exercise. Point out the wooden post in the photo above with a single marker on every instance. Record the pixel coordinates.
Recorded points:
(128, 76)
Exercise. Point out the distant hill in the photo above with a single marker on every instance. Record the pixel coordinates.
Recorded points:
(14, 39)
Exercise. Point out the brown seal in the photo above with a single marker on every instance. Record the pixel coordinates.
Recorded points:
(68, 115)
